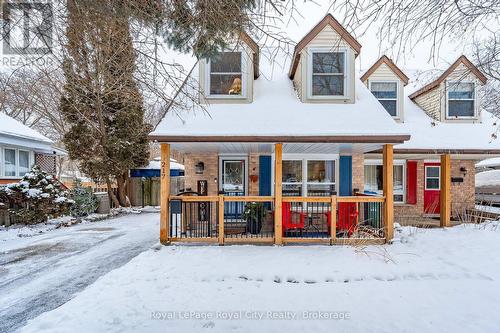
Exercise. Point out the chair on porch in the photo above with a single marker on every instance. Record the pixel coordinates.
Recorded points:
(292, 221)
(347, 218)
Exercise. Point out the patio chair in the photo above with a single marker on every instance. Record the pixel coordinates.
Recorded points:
(347, 218)
(292, 221)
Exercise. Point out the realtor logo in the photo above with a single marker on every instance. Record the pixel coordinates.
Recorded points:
(27, 27)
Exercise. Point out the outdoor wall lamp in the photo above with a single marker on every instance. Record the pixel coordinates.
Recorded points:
(463, 170)
(199, 168)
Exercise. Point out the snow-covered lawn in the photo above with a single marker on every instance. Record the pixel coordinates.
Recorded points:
(429, 280)
(42, 267)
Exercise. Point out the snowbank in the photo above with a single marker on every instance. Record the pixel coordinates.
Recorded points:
(488, 178)
(429, 280)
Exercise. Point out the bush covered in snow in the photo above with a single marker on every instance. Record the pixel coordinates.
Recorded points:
(37, 197)
(85, 202)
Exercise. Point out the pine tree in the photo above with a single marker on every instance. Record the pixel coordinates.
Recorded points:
(101, 100)
(37, 197)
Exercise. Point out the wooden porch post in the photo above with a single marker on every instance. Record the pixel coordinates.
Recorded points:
(445, 191)
(388, 191)
(278, 155)
(164, 193)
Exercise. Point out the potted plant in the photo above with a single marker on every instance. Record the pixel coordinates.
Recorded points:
(254, 214)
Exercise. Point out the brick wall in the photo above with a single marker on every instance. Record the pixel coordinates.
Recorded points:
(462, 194)
(210, 174)
(358, 171)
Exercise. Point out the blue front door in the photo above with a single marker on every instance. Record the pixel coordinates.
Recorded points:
(345, 175)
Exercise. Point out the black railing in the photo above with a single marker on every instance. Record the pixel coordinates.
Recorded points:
(193, 219)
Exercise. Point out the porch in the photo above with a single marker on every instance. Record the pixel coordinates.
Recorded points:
(306, 213)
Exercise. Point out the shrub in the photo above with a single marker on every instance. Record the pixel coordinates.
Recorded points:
(85, 202)
(37, 197)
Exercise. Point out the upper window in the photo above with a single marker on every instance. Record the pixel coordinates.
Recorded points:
(328, 74)
(461, 100)
(387, 94)
(226, 75)
(374, 180)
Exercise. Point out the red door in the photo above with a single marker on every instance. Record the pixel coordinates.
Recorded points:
(431, 188)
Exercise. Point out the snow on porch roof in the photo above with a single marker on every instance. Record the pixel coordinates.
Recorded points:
(11, 127)
(277, 113)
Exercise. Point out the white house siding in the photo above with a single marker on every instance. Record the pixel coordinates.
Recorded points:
(328, 37)
(430, 102)
(384, 73)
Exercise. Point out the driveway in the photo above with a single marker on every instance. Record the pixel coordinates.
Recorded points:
(40, 273)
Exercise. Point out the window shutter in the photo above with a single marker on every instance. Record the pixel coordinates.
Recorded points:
(411, 182)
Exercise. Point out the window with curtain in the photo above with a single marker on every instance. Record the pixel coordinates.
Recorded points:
(461, 99)
(226, 74)
(387, 95)
(10, 164)
(320, 178)
(374, 180)
(292, 178)
(24, 162)
(328, 71)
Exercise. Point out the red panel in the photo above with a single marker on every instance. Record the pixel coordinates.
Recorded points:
(411, 182)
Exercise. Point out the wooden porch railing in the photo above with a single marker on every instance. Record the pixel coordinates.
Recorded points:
(250, 219)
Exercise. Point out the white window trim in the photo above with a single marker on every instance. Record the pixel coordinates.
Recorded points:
(396, 162)
(311, 51)
(2, 161)
(398, 115)
(438, 177)
(447, 115)
(309, 157)
(244, 76)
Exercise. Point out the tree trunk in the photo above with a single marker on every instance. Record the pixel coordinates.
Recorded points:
(122, 182)
(111, 195)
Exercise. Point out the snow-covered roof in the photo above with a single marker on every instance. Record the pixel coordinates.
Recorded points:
(489, 163)
(277, 111)
(488, 178)
(11, 127)
(155, 164)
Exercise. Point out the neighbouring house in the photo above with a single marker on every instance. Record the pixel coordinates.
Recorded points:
(21, 147)
(488, 181)
(285, 150)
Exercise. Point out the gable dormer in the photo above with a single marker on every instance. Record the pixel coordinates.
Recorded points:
(454, 96)
(322, 66)
(229, 76)
(386, 82)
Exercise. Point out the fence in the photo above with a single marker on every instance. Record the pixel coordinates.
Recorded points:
(250, 219)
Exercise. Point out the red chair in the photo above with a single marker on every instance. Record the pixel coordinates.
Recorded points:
(347, 217)
(291, 220)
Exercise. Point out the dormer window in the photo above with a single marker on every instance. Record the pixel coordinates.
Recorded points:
(461, 100)
(328, 73)
(387, 94)
(225, 75)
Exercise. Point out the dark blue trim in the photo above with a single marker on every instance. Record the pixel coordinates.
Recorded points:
(345, 170)
(265, 175)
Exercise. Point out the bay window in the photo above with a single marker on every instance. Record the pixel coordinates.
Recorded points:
(303, 177)
(374, 180)
(461, 100)
(328, 74)
(226, 75)
(387, 95)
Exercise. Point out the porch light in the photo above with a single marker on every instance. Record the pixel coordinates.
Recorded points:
(463, 170)
(199, 168)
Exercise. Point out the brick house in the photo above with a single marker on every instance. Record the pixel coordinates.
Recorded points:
(20, 148)
(316, 153)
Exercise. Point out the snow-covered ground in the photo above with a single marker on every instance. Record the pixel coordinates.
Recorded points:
(42, 267)
(429, 280)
